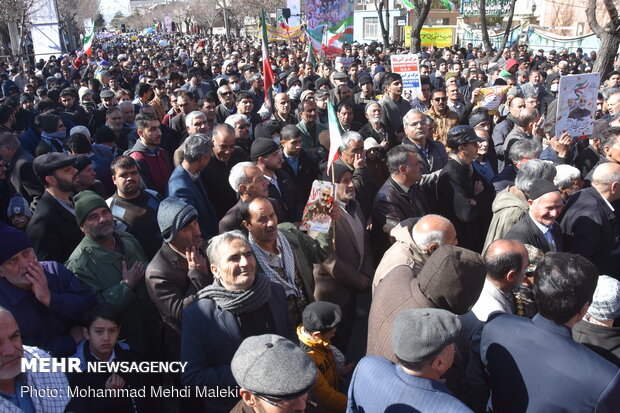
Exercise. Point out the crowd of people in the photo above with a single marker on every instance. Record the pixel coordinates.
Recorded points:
(151, 195)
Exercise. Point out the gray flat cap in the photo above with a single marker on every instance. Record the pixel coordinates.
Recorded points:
(421, 334)
(272, 366)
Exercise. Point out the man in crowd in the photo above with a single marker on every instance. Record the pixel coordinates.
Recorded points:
(112, 265)
(551, 370)
(185, 182)
(45, 297)
(134, 209)
(296, 162)
(239, 304)
(20, 173)
(52, 228)
(463, 196)
(153, 161)
(414, 241)
(12, 396)
(284, 254)
(445, 119)
(310, 129)
(423, 343)
(216, 173)
(539, 227)
(178, 270)
(393, 104)
(589, 224)
(506, 262)
(451, 279)
(400, 197)
(266, 153)
(347, 272)
(273, 374)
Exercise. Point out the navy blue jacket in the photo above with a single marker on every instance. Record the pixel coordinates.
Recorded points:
(536, 366)
(591, 229)
(48, 327)
(183, 187)
(378, 385)
(210, 336)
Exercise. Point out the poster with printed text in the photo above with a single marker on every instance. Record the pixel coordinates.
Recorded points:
(491, 97)
(407, 66)
(577, 104)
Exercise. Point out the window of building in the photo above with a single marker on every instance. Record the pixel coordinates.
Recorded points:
(371, 27)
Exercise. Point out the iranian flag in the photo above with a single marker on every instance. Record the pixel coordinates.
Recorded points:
(267, 72)
(282, 23)
(449, 5)
(407, 4)
(88, 40)
(311, 57)
(335, 139)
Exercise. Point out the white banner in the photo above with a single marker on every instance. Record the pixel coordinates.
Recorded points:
(577, 104)
(407, 66)
(168, 24)
(44, 29)
(295, 6)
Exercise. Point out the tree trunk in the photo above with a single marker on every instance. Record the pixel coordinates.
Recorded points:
(606, 53)
(506, 32)
(608, 35)
(486, 40)
(385, 28)
(420, 13)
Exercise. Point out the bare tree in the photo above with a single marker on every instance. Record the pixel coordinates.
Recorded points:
(15, 16)
(507, 31)
(608, 35)
(420, 13)
(484, 27)
(384, 24)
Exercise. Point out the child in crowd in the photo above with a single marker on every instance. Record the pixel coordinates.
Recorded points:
(319, 322)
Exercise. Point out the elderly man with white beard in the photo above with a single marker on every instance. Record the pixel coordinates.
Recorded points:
(111, 263)
(375, 129)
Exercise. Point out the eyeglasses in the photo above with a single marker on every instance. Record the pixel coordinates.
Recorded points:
(226, 93)
(444, 99)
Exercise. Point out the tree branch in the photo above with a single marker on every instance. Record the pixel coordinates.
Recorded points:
(613, 13)
(591, 15)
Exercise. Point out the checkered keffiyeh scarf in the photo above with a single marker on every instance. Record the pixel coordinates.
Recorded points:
(40, 380)
(289, 265)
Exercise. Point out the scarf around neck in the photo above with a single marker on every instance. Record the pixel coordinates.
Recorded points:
(237, 301)
(288, 260)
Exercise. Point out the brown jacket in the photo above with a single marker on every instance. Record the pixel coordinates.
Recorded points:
(160, 107)
(404, 251)
(451, 279)
(443, 124)
(338, 279)
(173, 287)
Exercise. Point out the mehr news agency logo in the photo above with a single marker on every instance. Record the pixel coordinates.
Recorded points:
(73, 365)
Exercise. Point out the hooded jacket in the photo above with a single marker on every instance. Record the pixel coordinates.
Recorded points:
(326, 386)
(404, 252)
(154, 166)
(451, 279)
(508, 207)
